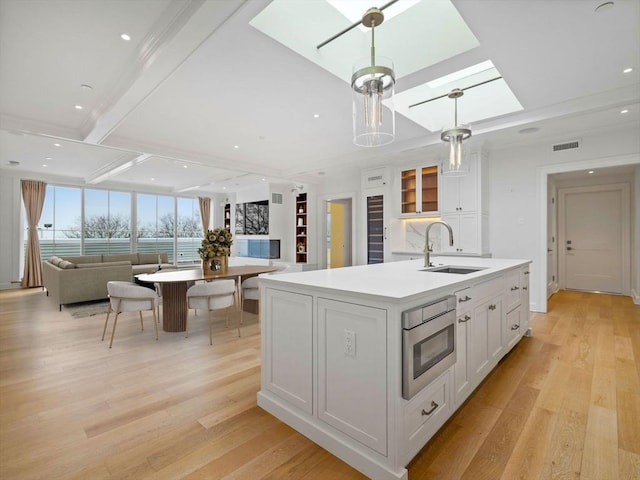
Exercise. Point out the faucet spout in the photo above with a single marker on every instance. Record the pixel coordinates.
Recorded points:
(429, 248)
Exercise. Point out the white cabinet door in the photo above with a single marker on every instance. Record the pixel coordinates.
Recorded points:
(513, 289)
(524, 305)
(463, 370)
(449, 194)
(468, 186)
(494, 327)
(352, 351)
(288, 335)
(465, 233)
(513, 328)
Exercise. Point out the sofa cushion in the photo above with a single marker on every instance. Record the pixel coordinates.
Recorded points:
(67, 265)
(84, 259)
(55, 261)
(102, 264)
(124, 257)
(146, 258)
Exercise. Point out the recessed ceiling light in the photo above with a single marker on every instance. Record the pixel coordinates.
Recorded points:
(627, 70)
(125, 37)
(224, 188)
(44, 164)
(78, 107)
(264, 179)
(624, 111)
(48, 158)
(152, 179)
(185, 166)
(57, 145)
(316, 115)
(590, 172)
(236, 146)
(86, 86)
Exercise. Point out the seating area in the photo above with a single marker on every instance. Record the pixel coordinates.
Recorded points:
(84, 278)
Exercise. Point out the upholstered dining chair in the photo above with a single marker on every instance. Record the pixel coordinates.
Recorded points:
(250, 291)
(212, 296)
(129, 297)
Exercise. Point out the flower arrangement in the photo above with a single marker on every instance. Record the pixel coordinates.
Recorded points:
(216, 243)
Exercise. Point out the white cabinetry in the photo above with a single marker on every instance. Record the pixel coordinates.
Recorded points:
(463, 369)
(288, 370)
(352, 392)
(419, 191)
(517, 318)
(464, 203)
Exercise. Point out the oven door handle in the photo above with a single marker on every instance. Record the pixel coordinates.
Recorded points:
(434, 405)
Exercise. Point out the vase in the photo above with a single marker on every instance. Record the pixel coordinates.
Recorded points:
(206, 266)
(219, 264)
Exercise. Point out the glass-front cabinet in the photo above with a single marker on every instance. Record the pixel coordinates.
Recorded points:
(419, 191)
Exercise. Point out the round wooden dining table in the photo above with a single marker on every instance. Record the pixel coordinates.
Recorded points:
(176, 282)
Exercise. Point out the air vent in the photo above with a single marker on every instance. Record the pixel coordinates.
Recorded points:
(566, 146)
(276, 198)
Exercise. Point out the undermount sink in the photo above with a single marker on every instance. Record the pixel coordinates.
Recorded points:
(454, 269)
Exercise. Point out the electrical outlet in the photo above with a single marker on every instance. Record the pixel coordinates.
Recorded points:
(349, 343)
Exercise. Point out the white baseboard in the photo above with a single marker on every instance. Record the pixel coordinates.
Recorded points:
(635, 295)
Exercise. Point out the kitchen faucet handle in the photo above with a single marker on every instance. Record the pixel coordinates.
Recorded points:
(430, 247)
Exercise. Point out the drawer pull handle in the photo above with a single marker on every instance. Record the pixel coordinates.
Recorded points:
(515, 326)
(492, 307)
(527, 272)
(525, 288)
(465, 319)
(434, 405)
(513, 289)
(465, 299)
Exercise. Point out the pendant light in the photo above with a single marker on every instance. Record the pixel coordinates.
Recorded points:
(372, 84)
(455, 163)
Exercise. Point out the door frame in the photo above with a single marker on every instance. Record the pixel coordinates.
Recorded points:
(322, 213)
(539, 270)
(623, 188)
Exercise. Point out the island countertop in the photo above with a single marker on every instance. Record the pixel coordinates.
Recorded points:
(394, 280)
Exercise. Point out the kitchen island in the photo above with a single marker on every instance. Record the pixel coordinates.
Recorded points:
(333, 358)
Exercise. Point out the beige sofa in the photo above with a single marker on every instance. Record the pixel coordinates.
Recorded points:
(84, 278)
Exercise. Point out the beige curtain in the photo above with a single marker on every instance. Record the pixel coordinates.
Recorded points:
(205, 212)
(33, 193)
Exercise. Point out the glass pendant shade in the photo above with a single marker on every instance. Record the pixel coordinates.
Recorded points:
(373, 110)
(456, 161)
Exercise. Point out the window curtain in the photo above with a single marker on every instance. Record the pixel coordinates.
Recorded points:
(33, 193)
(205, 212)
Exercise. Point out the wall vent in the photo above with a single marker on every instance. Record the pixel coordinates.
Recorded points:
(276, 198)
(566, 146)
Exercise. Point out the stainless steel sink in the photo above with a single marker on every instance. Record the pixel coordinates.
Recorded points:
(454, 269)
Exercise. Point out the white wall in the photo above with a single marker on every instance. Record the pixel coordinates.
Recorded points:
(517, 200)
(11, 233)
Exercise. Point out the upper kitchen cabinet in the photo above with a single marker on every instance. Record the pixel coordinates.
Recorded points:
(464, 204)
(419, 191)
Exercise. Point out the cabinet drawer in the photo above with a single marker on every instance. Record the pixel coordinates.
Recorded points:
(464, 299)
(425, 413)
(489, 288)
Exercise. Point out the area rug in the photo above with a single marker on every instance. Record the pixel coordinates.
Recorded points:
(88, 309)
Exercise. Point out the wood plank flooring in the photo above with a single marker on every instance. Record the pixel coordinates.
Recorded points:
(564, 404)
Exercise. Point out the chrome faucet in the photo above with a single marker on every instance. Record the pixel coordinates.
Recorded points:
(429, 248)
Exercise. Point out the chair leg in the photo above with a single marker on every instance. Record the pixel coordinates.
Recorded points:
(141, 324)
(104, 331)
(113, 332)
(155, 322)
(186, 325)
(210, 329)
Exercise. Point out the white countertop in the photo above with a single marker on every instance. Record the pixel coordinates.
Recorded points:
(394, 280)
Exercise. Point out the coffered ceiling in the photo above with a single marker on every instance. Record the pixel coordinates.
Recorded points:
(215, 95)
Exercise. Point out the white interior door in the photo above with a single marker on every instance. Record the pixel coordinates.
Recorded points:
(594, 248)
(552, 256)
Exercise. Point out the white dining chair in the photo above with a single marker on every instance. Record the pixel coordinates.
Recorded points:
(129, 297)
(250, 291)
(218, 295)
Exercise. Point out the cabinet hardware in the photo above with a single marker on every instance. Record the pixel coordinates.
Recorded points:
(526, 273)
(464, 319)
(525, 288)
(385, 233)
(465, 299)
(513, 289)
(515, 326)
(492, 307)
(434, 405)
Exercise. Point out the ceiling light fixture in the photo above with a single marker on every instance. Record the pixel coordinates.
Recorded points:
(624, 111)
(78, 107)
(57, 145)
(455, 165)
(372, 85)
(590, 172)
(627, 70)
(125, 37)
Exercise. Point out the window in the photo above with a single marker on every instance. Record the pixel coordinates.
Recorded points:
(107, 222)
(189, 229)
(155, 224)
(59, 227)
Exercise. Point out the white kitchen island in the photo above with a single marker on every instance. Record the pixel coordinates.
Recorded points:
(332, 352)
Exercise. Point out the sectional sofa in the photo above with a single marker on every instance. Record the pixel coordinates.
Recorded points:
(84, 278)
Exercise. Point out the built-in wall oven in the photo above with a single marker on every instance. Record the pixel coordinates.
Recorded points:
(428, 343)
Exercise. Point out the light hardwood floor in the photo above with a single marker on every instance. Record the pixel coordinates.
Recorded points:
(564, 404)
